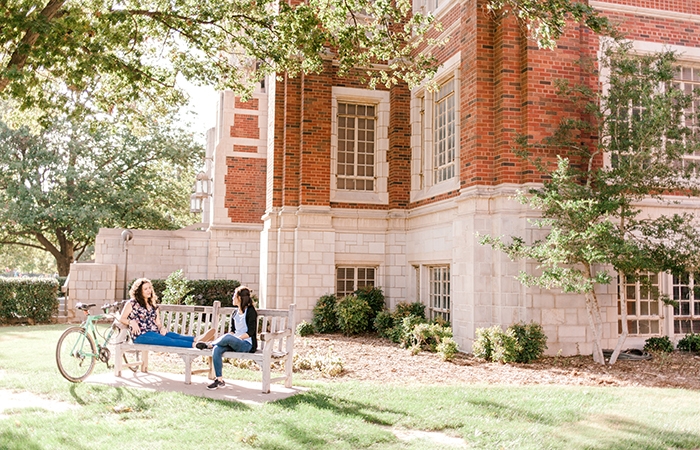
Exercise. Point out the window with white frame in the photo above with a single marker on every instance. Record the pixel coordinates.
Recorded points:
(642, 305)
(444, 144)
(439, 295)
(435, 136)
(356, 144)
(359, 146)
(686, 311)
(349, 279)
(687, 80)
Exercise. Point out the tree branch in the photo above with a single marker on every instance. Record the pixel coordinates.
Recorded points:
(19, 57)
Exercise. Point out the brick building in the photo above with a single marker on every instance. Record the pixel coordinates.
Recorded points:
(346, 186)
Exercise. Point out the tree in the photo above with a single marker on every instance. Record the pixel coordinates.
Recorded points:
(117, 53)
(59, 185)
(591, 208)
(546, 20)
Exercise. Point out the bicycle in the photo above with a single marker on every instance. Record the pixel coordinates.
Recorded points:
(80, 347)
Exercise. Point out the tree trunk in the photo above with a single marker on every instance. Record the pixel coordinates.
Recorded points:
(64, 255)
(595, 320)
(623, 318)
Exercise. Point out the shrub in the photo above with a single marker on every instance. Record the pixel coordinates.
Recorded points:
(374, 298)
(384, 324)
(404, 309)
(690, 343)
(484, 342)
(447, 348)
(531, 339)
(325, 317)
(428, 336)
(658, 345)
(519, 343)
(403, 333)
(305, 328)
(177, 292)
(353, 314)
(506, 348)
(204, 292)
(32, 299)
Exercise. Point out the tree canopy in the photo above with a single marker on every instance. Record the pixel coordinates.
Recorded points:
(643, 128)
(117, 53)
(546, 20)
(59, 184)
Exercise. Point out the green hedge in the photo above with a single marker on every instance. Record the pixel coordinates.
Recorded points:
(31, 299)
(205, 292)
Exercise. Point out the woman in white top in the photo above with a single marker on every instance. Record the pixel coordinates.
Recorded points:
(241, 338)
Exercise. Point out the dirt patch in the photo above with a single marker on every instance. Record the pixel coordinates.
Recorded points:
(370, 358)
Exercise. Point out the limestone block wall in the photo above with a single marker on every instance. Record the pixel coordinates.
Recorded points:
(226, 253)
(90, 283)
(484, 291)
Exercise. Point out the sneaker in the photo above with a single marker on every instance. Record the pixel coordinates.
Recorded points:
(216, 384)
(202, 346)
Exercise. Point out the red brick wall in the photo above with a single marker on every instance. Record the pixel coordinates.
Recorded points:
(507, 88)
(316, 139)
(682, 6)
(399, 154)
(245, 189)
(245, 126)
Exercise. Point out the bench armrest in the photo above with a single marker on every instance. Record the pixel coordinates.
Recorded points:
(268, 336)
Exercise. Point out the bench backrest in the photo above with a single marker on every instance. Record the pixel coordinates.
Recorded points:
(269, 321)
(187, 320)
(195, 320)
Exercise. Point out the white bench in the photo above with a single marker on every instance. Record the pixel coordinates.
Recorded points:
(275, 340)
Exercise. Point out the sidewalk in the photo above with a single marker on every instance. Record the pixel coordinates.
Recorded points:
(235, 390)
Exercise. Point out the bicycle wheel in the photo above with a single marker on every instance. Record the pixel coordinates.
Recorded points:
(75, 354)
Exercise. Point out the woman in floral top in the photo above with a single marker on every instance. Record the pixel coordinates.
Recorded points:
(141, 315)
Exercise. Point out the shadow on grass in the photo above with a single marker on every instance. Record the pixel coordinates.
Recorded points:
(10, 440)
(617, 433)
(367, 412)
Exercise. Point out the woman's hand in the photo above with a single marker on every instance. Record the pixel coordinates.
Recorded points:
(163, 331)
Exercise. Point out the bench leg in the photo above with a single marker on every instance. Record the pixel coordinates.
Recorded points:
(266, 372)
(118, 361)
(188, 368)
(144, 361)
(289, 362)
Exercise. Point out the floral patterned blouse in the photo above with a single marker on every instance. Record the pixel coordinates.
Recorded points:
(144, 317)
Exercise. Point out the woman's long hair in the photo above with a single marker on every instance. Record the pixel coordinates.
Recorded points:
(243, 293)
(136, 292)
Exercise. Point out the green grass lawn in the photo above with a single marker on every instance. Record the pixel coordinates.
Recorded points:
(334, 415)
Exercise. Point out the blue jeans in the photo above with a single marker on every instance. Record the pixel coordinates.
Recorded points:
(171, 339)
(227, 343)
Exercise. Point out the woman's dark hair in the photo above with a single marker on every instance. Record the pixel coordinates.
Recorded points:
(136, 292)
(243, 292)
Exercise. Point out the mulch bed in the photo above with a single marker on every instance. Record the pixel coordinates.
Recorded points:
(370, 358)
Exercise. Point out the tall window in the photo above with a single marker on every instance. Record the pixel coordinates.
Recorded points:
(686, 312)
(356, 143)
(643, 305)
(439, 293)
(435, 134)
(687, 79)
(350, 279)
(444, 145)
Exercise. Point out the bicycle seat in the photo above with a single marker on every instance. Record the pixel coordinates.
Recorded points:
(84, 306)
